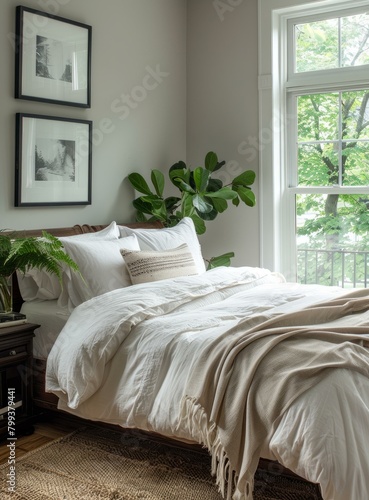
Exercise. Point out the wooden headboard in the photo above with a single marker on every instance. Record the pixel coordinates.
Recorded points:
(68, 231)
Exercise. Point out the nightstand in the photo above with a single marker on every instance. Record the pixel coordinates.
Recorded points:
(16, 380)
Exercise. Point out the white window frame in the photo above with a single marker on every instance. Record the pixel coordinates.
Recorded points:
(277, 217)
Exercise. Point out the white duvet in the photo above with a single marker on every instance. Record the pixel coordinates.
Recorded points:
(124, 357)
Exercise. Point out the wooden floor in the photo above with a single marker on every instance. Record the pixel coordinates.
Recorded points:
(46, 430)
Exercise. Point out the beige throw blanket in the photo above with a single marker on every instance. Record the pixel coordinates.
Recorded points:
(247, 378)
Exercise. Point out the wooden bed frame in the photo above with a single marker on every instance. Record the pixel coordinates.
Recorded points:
(47, 401)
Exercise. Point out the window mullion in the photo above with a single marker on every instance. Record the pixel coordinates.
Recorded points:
(291, 147)
(340, 42)
(340, 171)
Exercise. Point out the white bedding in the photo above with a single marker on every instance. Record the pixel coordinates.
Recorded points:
(51, 319)
(124, 357)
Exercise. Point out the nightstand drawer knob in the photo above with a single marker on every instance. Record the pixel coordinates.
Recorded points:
(12, 353)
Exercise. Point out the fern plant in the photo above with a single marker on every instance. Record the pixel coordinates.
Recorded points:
(20, 254)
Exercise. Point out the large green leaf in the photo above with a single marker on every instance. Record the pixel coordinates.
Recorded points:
(155, 201)
(219, 165)
(208, 215)
(211, 161)
(160, 211)
(221, 260)
(201, 204)
(139, 183)
(199, 224)
(214, 185)
(142, 206)
(246, 195)
(220, 204)
(201, 177)
(180, 165)
(176, 175)
(183, 186)
(187, 208)
(245, 179)
(140, 217)
(157, 179)
(226, 193)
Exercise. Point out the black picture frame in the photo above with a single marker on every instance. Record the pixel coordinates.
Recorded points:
(53, 161)
(52, 59)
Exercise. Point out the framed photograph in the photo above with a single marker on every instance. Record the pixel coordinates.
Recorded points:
(53, 161)
(53, 59)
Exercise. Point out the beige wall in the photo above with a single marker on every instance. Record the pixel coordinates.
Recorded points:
(222, 111)
(128, 37)
(208, 101)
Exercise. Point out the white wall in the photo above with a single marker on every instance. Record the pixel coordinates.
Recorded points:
(209, 50)
(128, 36)
(222, 111)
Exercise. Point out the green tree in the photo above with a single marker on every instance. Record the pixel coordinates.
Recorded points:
(333, 134)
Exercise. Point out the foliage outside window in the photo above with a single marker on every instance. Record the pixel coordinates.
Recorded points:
(328, 169)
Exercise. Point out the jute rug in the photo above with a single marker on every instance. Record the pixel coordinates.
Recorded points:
(95, 463)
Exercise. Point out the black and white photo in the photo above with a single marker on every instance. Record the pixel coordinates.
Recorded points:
(53, 59)
(53, 161)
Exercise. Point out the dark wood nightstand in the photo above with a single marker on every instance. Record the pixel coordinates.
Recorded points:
(16, 380)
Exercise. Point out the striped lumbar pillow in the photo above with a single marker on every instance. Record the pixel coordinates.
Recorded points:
(150, 265)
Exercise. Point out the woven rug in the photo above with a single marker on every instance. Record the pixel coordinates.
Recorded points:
(95, 463)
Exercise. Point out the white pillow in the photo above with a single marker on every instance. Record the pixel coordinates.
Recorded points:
(39, 284)
(101, 266)
(27, 286)
(110, 232)
(169, 238)
(151, 265)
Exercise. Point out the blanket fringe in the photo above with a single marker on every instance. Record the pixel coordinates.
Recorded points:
(194, 417)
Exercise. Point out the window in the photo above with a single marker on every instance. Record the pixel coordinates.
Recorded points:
(315, 169)
(335, 42)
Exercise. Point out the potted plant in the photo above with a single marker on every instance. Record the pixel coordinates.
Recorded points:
(202, 196)
(19, 254)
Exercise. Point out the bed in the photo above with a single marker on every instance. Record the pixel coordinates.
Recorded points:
(236, 359)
